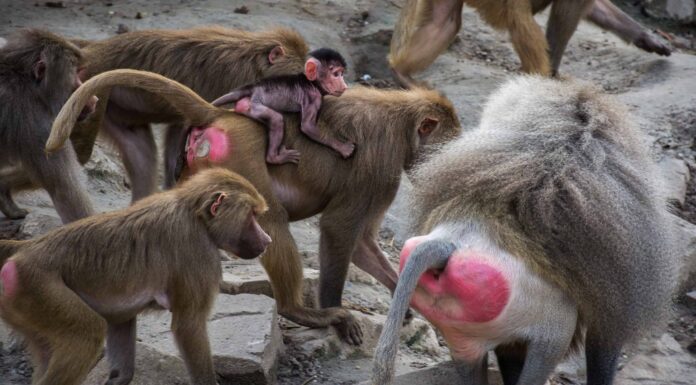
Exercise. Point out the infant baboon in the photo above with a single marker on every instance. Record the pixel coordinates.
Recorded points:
(266, 101)
(540, 227)
(67, 289)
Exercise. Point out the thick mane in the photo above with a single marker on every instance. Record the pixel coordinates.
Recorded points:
(560, 164)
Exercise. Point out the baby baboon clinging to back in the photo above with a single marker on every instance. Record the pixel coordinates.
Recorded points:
(65, 290)
(541, 226)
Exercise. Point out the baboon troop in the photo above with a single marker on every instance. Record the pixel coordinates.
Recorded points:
(529, 231)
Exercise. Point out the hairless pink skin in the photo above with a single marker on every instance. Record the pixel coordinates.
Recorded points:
(9, 279)
(243, 105)
(469, 289)
(208, 144)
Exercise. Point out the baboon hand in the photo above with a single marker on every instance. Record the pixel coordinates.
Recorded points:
(349, 329)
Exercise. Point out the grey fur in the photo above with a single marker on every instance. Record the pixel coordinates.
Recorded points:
(557, 176)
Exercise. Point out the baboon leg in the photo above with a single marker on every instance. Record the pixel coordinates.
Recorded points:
(473, 373)
(58, 174)
(528, 39)
(564, 19)
(276, 152)
(510, 361)
(542, 358)
(191, 333)
(12, 179)
(284, 266)
(608, 16)
(420, 37)
(602, 355)
(173, 144)
(40, 355)
(75, 337)
(139, 153)
(120, 351)
(368, 256)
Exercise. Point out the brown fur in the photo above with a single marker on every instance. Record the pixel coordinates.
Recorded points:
(426, 28)
(352, 194)
(166, 246)
(210, 60)
(38, 72)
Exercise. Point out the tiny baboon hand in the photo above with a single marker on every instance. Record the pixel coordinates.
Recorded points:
(346, 149)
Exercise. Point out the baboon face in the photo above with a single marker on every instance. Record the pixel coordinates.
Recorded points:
(233, 226)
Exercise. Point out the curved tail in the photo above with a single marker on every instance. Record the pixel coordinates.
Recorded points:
(432, 254)
(196, 110)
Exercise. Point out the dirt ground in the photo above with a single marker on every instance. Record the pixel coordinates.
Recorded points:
(660, 91)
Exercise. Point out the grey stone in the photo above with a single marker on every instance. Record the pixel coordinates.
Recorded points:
(676, 175)
(686, 238)
(152, 367)
(244, 338)
(679, 10)
(2, 42)
(662, 361)
(251, 277)
(418, 335)
(441, 374)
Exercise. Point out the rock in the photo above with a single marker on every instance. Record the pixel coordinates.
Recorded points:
(676, 175)
(152, 367)
(683, 11)
(418, 336)
(686, 274)
(2, 42)
(691, 297)
(662, 361)
(441, 374)
(251, 277)
(244, 338)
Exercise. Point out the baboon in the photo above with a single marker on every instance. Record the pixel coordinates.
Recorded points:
(352, 194)
(210, 60)
(67, 289)
(266, 101)
(542, 229)
(426, 28)
(38, 72)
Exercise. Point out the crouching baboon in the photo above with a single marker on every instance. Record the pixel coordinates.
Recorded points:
(38, 72)
(352, 194)
(540, 227)
(210, 60)
(426, 28)
(67, 289)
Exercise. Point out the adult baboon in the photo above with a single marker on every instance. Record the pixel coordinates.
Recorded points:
(210, 60)
(541, 227)
(352, 194)
(426, 28)
(67, 289)
(38, 72)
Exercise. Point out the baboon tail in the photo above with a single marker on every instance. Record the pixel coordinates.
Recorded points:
(432, 254)
(8, 248)
(196, 110)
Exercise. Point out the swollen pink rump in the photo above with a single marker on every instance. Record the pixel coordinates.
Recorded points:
(9, 279)
(470, 289)
(207, 143)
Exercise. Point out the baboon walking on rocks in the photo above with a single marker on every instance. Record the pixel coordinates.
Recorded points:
(393, 129)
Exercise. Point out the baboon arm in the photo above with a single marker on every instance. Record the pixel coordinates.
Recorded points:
(191, 335)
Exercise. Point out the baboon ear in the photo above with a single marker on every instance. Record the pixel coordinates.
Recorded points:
(39, 70)
(276, 53)
(427, 126)
(311, 68)
(217, 199)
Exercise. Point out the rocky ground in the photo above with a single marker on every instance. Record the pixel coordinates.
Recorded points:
(252, 345)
